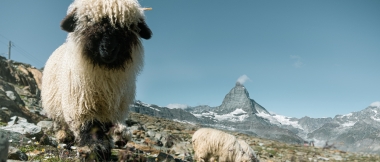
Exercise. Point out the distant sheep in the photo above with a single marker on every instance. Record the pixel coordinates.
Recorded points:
(89, 81)
(214, 145)
(248, 150)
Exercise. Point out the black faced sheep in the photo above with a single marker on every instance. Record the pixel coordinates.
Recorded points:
(89, 82)
(214, 145)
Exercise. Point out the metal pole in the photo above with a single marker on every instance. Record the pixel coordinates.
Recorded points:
(9, 50)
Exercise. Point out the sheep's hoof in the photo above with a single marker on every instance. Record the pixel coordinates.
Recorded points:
(95, 143)
(120, 135)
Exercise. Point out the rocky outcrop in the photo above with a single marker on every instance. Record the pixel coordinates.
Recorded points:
(4, 146)
(238, 98)
(163, 112)
(19, 91)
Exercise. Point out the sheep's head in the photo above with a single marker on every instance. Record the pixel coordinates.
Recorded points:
(108, 30)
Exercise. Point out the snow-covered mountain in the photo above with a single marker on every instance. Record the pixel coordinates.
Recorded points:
(241, 113)
(356, 131)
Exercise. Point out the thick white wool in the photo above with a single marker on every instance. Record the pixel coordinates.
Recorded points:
(214, 145)
(75, 91)
(123, 12)
(247, 149)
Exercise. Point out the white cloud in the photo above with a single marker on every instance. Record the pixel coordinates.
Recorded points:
(298, 62)
(176, 105)
(242, 79)
(375, 104)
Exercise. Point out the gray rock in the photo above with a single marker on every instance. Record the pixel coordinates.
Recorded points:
(20, 125)
(15, 137)
(4, 146)
(11, 95)
(162, 157)
(150, 133)
(16, 154)
(167, 141)
(163, 112)
(158, 136)
(48, 125)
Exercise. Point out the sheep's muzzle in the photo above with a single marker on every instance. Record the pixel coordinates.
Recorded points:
(108, 48)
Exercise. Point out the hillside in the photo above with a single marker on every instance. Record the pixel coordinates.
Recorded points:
(163, 135)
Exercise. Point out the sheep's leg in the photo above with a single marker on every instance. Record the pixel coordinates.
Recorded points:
(201, 156)
(120, 134)
(63, 134)
(94, 135)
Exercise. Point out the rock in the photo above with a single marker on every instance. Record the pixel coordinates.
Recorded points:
(15, 107)
(37, 75)
(158, 136)
(4, 146)
(336, 157)
(15, 137)
(11, 95)
(4, 115)
(20, 125)
(162, 157)
(167, 141)
(150, 133)
(181, 149)
(16, 154)
(46, 125)
(44, 140)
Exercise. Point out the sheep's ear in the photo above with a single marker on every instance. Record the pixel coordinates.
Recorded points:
(68, 23)
(145, 32)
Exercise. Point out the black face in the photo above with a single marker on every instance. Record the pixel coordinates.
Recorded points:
(107, 45)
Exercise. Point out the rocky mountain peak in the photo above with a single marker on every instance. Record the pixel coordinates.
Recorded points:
(237, 98)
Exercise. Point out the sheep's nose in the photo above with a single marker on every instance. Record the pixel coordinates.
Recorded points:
(108, 49)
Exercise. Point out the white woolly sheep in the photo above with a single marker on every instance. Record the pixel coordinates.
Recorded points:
(248, 150)
(214, 145)
(89, 81)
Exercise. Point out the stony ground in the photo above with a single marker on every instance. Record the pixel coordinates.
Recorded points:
(157, 139)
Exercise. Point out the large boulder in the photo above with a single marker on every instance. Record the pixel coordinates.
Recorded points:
(4, 146)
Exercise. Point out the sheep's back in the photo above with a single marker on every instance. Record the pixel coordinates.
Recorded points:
(215, 143)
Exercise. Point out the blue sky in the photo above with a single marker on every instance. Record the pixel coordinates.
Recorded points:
(303, 58)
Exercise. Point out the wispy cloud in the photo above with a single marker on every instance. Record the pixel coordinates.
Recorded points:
(375, 104)
(176, 105)
(242, 79)
(298, 62)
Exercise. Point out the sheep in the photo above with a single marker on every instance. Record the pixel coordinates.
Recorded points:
(248, 150)
(89, 81)
(214, 145)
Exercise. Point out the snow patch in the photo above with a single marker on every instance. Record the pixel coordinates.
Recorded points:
(376, 119)
(184, 121)
(237, 115)
(176, 105)
(349, 124)
(154, 108)
(148, 105)
(347, 115)
(279, 120)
